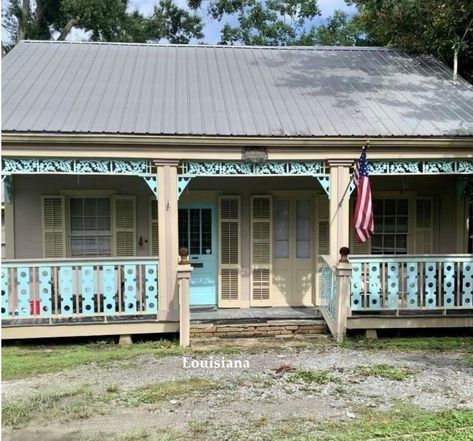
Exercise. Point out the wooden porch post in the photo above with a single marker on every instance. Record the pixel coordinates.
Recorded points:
(168, 236)
(343, 274)
(184, 271)
(339, 205)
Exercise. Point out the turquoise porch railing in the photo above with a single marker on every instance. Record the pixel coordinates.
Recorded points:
(328, 292)
(55, 288)
(411, 282)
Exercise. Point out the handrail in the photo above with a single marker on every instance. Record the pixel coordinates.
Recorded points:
(329, 260)
(408, 257)
(77, 261)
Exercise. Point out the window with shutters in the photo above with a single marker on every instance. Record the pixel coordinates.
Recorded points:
(53, 223)
(90, 227)
(470, 227)
(154, 233)
(391, 226)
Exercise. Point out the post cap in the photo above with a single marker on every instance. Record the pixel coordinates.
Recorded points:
(344, 252)
(184, 254)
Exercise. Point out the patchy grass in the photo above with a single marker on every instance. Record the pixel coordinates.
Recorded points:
(464, 344)
(19, 412)
(167, 390)
(308, 376)
(384, 371)
(29, 361)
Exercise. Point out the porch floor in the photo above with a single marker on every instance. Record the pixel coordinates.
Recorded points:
(210, 314)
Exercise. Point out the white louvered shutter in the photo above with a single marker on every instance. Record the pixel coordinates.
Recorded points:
(153, 221)
(53, 223)
(323, 227)
(229, 251)
(124, 221)
(261, 249)
(355, 246)
(424, 225)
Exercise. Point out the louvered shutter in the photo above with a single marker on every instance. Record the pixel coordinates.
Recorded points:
(355, 246)
(261, 249)
(424, 225)
(153, 222)
(124, 221)
(323, 227)
(53, 223)
(229, 251)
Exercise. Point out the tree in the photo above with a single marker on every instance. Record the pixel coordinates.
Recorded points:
(340, 30)
(422, 26)
(103, 20)
(265, 23)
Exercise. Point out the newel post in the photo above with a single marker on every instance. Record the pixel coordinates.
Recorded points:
(343, 274)
(184, 271)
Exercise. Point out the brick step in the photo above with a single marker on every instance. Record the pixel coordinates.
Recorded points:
(260, 329)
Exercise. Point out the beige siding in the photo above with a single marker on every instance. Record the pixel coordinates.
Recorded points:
(28, 192)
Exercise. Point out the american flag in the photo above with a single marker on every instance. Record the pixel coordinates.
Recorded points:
(363, 217)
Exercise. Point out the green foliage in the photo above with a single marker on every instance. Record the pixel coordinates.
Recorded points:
(412, 343)
(262, 23)
(103, 20)
(427, 26)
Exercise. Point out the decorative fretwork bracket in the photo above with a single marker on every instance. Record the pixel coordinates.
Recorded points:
(152, 184)
(182, 183)
(7, 189)
(191, 169)
(325, 183)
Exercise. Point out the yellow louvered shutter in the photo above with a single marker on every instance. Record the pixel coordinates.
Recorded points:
(355, 246)
(229, 251)
(124, 221)
(424, 225)
(53, 223)
(153, 222)
(261, 249)
(323, 227)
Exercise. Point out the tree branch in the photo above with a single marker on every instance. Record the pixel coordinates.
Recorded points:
(69, 25)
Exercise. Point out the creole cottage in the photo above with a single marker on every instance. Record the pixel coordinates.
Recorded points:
(115, 156)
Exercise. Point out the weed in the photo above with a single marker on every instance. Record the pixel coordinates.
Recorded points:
(385, 371)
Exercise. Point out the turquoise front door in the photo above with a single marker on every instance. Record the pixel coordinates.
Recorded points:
(198, 233)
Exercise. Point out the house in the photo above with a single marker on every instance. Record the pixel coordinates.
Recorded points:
(115, 154)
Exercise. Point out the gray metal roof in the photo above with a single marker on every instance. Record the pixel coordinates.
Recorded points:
(64, 87)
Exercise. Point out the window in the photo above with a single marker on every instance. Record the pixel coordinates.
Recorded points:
(90, 227)
(303, 227)
(195, 230)
(390, 226)
(281, 229)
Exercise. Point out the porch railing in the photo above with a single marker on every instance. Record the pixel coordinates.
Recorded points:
(56, 288)
(411, 282)
(328, 292)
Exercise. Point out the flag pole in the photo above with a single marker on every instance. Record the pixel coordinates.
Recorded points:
(367, 144)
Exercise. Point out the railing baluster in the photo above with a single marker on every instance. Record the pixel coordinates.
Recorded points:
(56, 290)
(374, 285)
(87, 289)
(97, 279)
(130, 288)
(393, 285)
(45, 298)
(5, 291)
(120, 294)
(24, 291)
(151, 287)
(467, 285)
(448, 284)
(140, 287)
(430, 285)
(66, 289)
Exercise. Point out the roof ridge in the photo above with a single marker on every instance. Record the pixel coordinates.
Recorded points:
(222, 46)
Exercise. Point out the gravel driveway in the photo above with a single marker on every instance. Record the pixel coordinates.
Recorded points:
(316, 383)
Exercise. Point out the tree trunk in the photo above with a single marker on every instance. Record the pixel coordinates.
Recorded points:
(69, 25)
(25, 13)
